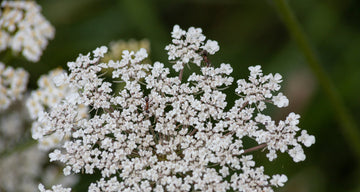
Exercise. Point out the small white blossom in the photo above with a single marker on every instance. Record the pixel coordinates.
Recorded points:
(280, 100)
(255, 71)
(177, 33)
(100, 51)
(211, 47)
(278, 180)
(297, 153)
(60, 79)
(306, 139)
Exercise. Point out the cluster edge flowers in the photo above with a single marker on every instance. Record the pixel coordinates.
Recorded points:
(165, 133)
(13, 84)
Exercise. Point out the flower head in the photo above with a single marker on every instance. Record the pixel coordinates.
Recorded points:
(159, 133)
(188, 46)
(24, 29)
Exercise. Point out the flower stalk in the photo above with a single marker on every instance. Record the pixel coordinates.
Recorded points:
(348, 124)
(261, 146)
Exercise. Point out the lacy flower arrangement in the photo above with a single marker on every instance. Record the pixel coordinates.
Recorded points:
(24, 29)
(164, 133)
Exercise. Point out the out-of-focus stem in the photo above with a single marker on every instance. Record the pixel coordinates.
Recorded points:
(348, 124)
(18, 148)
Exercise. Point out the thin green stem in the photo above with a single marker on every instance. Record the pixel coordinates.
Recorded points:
(348, 124)
(181, 74)
(7, 57)
(18, 148)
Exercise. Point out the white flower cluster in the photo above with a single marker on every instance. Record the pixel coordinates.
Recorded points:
(12, 123)
(24, 29)
(188, 46)
(13, 84)
(45, 98)
(263, 129)
(159, 134)
(21, 170)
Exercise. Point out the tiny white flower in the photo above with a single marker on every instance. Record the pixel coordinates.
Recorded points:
(141, 55)
(41, 187)
(100, 51)
(67, 170)
(306, 139)
(255, 70)
(224, 171)
(280, 100)
(60, 79)
(297, 154)
(177, 32)
(211, 47)
(278, 180)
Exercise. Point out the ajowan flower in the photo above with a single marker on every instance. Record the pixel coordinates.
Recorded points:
(24, 29)
(161, 133)
(53, 89)
(13, 84)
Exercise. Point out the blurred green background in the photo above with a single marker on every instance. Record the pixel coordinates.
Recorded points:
(249, 32)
